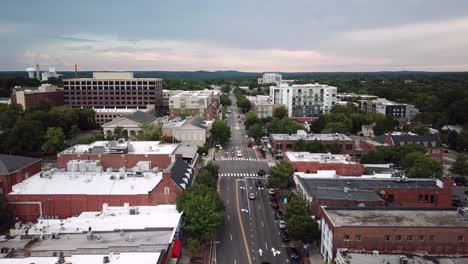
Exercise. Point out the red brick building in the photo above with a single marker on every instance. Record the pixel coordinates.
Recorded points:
(430, 142)
(354, 191)
(398, 230)
(63, 193)
(312, 162)
(14, 169)
(27, 97)
(284, 142)
(118, 154)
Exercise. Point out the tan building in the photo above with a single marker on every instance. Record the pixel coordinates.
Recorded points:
(203, 103)
(131, 123)
(192, 131)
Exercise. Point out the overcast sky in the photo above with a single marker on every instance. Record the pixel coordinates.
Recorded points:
(245, 35)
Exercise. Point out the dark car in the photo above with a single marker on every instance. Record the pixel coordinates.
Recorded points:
(278, 216)
(259, 183)
(460, 181)
(456, 201)
(261, 173)
(275, 205)
(280, 212)
(285, 236)
(293, 255)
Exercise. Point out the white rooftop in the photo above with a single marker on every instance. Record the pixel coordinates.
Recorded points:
(89, 183)
(132, 147)
(310, 137)
(198, 93)
(112, 219)
(120, 110)
(319, 157)
(121, 258)
(332, 174)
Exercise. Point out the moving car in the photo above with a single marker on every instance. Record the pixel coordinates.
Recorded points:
(259, 183)
(252, 196)
(282, 224)
(239, 153)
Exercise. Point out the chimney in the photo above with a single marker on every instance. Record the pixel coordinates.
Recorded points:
(76, 71)
(38, 72)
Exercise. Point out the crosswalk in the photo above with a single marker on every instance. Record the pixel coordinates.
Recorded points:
(238, 174)
(223, 158)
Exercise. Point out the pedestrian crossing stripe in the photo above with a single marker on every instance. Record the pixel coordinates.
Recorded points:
(247, 159)
(238, 174)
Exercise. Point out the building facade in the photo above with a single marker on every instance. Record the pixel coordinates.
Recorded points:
(398, 230)
(27, 97)
(312, 162)
(113, 90)
(430, 142)
(263, 106)
(204, 103)
(389, 108)
(131, 123)
(15, 169)
(191, 131)
(270, 78)
(304, 100)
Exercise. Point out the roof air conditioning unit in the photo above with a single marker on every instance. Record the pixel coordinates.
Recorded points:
(375, 253)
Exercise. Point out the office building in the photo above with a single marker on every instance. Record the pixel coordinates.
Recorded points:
(203, 103)
(270, 78)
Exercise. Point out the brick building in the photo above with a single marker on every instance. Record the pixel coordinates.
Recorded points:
(118, 90)
(27, 97)
(312, 162)
(117, 154)
(284, 142)
(204, 103)
(15, 169)
(359, 191)
(398, 230)
(84, 186)
(430, 142)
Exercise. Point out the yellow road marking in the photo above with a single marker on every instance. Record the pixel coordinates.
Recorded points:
(241, 225)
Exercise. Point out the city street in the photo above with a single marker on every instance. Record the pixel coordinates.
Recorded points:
(250, 233)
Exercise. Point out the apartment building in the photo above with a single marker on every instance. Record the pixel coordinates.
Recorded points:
(203, 103)
(113, 90)
(263, 106)
(270, 78)
(304, 100)
(389, 108)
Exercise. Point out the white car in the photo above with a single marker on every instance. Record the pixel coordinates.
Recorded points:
(282, 224)
(239, 153)
(271, 191)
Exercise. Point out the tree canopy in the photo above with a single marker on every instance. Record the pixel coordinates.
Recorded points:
(300, 224)
(149, 132)
(54, 140)
(220, 132)
(460, 166)
(280, 175)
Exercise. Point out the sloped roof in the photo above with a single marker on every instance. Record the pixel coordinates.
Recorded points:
(10, 163)
(418, 139)
(196, 121)
(181, 173)
(141, 117)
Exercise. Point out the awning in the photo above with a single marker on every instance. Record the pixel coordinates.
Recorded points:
(176, 248)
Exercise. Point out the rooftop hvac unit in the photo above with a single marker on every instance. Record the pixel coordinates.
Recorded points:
(404, 260)
(375, 253)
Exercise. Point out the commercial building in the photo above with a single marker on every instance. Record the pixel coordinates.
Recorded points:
(203, 103)
(285, 142)
(131, 123)
(191, 131)
(430, 142)
(27, 97)
(304, 100)
(120, 153)
(86, 185)
(114, 90)
(270, 78)
(166, 95)
(263, 106)
(369, 191)
(105, 115)
(15, 169)
(312, 162)
(111, 234)
(353, 97)
(398, 230)
(346, 256)
(386, 107)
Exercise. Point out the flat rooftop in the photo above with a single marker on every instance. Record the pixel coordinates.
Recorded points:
(369, 258)
(120, 258)
(402, 217)
(319, 157)
(130, 147)
(88, 183)
(311, 137)
(161, 217)
(120, 110)
(198, 93)
(113, 76)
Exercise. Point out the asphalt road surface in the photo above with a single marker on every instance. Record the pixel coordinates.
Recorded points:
(250, 233)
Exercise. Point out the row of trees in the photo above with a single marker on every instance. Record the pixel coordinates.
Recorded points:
(203, 209)
(411, 157)
(26, 132)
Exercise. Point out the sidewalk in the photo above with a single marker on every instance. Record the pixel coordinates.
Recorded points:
(314, 256)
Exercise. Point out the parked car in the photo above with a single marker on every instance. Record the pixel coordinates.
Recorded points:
(271, 191)
(274, 205)
(282, 224)
(285, 236)
(261, 173)
(272, 198)
(460, 181)
(239, 153)
(293, 255)
(252, 196)
(278, 216)
(259, 183)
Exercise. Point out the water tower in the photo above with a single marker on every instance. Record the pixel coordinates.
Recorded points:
(31, 72)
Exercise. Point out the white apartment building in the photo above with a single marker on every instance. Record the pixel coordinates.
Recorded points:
(270, 78)
(304, 100)
(204, 103)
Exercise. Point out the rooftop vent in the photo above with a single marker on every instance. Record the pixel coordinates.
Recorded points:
(105, 259)
(463, 212)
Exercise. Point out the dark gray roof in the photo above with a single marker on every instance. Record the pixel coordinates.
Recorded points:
(141, 117)
(358, 189)
(10, 163)
(418, 139)
(187, 151)
(179, 169)
(196, 121)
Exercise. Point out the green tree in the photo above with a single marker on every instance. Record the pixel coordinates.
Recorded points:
(220, 132)
(462, 140)
(419, 128)
(385, 125)
(251, 119)
(225, 100)
(280, 112)
(300, 145)
(26, 136)
(300, 224)
(460, 166)
(373, 157)
(212, 168)
(426, 167)
(149, 132)
(410, 148)
(206, 178)
(5, 217)
(54, 140)
(203, 149)
(119, 132)
(409, 159)
(184, 115)
(336, 127)
(255, 131)
(280, 175)
(315, 146)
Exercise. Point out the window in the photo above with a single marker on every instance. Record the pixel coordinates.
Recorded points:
(432, 238)
(409, 237)
(460, 238)
(358, 237)
(166, 190)
(398, 237)
(346, 238)
(421, 238)
(420, 198)
(432, 199)
(387, 238)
